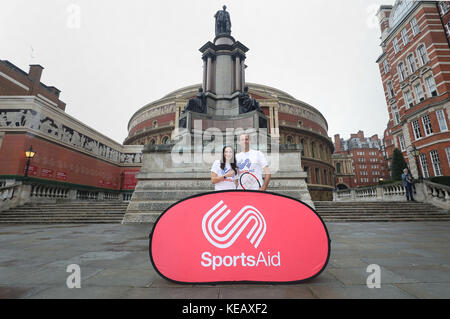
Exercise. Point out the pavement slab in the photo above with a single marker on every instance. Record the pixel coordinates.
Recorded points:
(414, 259)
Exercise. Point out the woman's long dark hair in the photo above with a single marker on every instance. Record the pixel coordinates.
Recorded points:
(232, 162)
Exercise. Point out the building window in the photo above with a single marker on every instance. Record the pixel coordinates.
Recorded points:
(401, 141)
(313, 146)
(423, 57)
(408, 99)
(444, 6)
(302, 144)
(338, 168)
(418, 91)
(289, 140)
(155, 123)
(395, 115)
(152, 142)
(416, 129)
(431, 86)
(427, 125)
(424, 164)
(441, 120)
(414, 26)
(390, 90)
(412, 63)
(317, 171)
(447, 151)
(402, 71)
(396, 46)
(405, 38)
(386, 67)
(325, 179)
(306, 169)
(436, 163)
(165, 140)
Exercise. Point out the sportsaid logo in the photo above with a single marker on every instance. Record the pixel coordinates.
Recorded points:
(247, 218)
(225, 237)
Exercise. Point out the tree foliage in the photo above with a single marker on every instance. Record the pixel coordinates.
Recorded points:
(398, 165)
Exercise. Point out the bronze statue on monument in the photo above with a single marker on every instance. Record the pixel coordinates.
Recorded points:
(223, 22)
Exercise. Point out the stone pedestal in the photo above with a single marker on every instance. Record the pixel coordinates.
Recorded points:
(165, 179)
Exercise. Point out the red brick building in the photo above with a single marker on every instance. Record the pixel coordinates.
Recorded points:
(366, 156)
(68, 153)
(415, 71)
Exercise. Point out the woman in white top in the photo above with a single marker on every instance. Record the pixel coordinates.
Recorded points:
(224, 172)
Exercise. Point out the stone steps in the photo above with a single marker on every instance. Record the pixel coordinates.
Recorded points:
(66, 213)
(379, 212)
(113, 212)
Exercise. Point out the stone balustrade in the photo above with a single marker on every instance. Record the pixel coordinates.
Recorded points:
(423, 191)
(42, 191)
(437, 194)
(126, 197)
(17, 193)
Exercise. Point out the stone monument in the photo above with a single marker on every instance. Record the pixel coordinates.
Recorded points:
(220, 112)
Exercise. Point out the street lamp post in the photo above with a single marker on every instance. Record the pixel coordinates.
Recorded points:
(415, 152)
(29, 155)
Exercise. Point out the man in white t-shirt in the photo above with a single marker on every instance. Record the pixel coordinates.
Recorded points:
(252, 161)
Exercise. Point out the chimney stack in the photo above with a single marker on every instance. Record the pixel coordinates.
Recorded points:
(361, 134)
(337, 143)
(35, 72)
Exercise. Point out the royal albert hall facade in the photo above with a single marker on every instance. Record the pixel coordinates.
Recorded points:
(296, 121)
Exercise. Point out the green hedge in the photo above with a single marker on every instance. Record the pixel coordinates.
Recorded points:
(444, 180)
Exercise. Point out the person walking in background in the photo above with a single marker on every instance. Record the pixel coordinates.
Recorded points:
(408, 181)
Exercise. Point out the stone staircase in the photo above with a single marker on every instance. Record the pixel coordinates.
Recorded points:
(66, 213)
(380, 212)
(113, 212)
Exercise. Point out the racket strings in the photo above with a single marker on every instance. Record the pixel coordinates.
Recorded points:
(248, 181)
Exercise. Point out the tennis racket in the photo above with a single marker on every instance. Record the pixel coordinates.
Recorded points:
(249, 181)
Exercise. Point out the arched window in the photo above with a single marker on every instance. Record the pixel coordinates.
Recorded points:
(165, 140)
(422, 51)
(390, 88)
(302, 145)
(411, 63)
(402, 71)
(152, 141)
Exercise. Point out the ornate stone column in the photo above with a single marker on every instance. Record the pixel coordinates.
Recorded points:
(205, 74)
(209, 74)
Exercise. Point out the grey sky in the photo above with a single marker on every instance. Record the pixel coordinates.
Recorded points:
(125, 54)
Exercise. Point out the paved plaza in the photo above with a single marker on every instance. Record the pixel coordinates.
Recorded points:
(414, 259)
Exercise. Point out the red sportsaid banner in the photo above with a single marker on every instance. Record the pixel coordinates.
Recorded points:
(239, 236)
